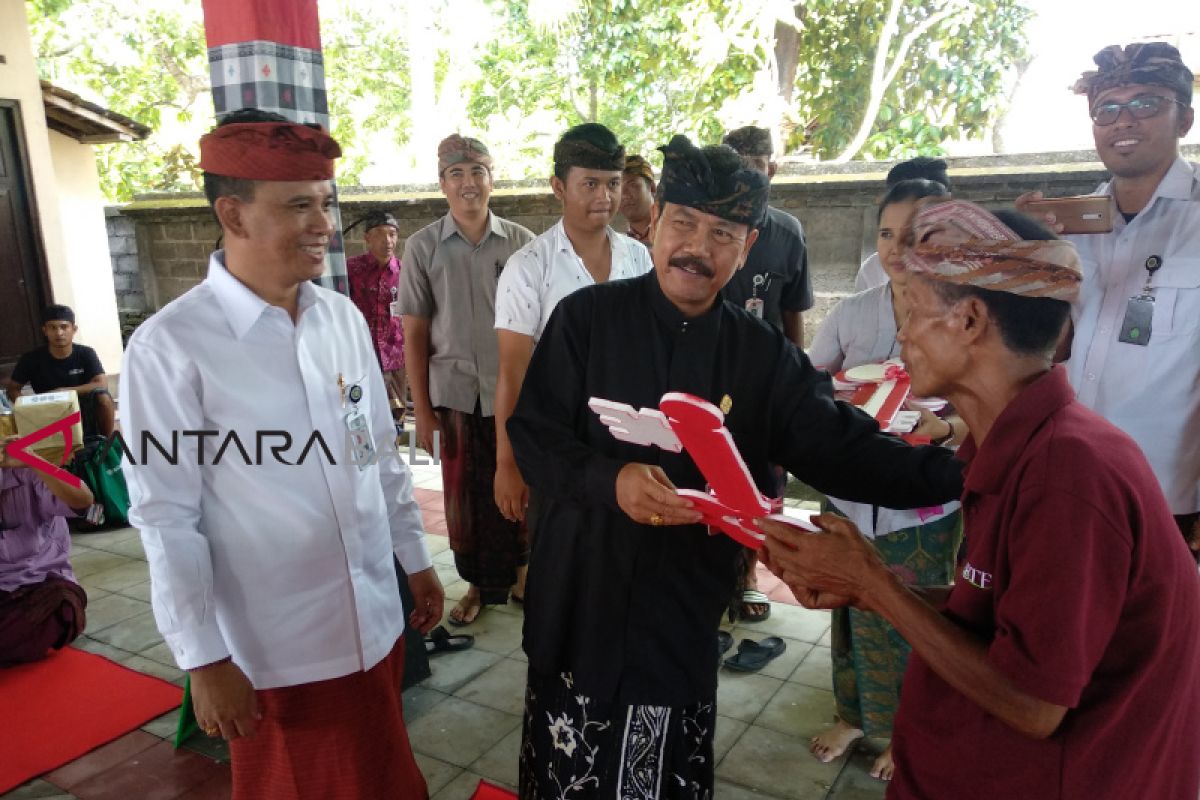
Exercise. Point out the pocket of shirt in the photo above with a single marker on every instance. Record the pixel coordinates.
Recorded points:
(1177, 299)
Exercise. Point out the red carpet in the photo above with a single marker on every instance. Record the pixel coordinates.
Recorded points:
(56, 710)
(490, 791)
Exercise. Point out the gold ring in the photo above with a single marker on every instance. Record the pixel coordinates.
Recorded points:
(656, 519)
(211, 730)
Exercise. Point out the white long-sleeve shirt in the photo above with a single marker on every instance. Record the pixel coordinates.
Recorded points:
(286, 567)
(1152, 391)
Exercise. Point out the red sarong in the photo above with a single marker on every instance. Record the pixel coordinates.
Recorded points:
(341, 739)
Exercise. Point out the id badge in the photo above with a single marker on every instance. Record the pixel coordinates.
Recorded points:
(1139, 313)
(755, 306)
(394, 306)
(362, 449)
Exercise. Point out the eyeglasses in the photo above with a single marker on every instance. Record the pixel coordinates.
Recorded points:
(1144, 107)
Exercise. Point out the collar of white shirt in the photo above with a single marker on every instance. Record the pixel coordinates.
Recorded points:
(242, 307)
(616, 242)
(1177, 184)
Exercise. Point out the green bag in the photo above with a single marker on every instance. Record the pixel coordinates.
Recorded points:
(101, 471)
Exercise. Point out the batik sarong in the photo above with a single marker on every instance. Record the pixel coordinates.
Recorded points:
(576, 747)
(869, 656)
(487, 548)
(37, 618)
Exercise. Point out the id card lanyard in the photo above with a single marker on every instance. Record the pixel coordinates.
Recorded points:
(756, 305)
(1139, 311)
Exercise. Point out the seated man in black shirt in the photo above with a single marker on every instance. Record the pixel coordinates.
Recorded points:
(61, 366)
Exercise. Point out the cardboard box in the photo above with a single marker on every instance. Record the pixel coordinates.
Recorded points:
(34, 412)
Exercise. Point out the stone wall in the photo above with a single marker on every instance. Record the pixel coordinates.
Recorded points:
(172, 236)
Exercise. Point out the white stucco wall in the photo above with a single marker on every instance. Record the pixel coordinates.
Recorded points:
(85, 249)
(80, 275)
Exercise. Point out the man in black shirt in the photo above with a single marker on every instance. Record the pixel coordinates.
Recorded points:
(772, 285)
(60, 365)
(624, 599)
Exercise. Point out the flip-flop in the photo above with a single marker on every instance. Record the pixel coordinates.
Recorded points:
(724, 642)
(753, 597)
(753, 656)
(439, 640)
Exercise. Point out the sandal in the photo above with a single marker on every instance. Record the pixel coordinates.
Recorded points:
(753, 597)
(439, 640)
(724, 642)
(458, 615)
(753, 656)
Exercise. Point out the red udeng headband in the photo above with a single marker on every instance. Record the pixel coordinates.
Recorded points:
(269, 151)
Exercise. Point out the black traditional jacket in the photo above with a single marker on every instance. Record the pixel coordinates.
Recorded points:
(632, 610)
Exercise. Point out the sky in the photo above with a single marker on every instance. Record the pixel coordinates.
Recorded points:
(1045, 115)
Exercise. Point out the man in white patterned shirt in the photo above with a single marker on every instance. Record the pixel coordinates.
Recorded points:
(580, 250)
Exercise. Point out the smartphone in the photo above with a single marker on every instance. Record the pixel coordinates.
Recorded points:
(1084, 214)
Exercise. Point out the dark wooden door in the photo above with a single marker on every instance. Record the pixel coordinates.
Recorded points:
(22, 289)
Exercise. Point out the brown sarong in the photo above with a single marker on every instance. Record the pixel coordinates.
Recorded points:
(36, 618)
(487, 548)
(340, 739)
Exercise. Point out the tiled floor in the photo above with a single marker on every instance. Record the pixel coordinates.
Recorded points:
(464, 721)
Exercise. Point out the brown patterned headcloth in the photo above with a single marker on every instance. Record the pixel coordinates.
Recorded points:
(961, 243)
(1153, 63)
(455, 149)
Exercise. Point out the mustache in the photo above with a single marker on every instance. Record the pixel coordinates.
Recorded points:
(693, 263)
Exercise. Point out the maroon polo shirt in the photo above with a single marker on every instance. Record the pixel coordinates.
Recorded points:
(1076, 576)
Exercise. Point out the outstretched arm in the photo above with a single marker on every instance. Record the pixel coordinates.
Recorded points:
(838, 565)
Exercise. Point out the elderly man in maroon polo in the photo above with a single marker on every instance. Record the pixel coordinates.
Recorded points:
(1062, 663)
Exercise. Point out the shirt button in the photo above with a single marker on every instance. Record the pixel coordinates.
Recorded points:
(1091, 376)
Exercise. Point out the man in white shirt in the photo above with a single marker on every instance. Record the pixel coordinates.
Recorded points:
(580, 250)
(1137, 324)
(271, 532)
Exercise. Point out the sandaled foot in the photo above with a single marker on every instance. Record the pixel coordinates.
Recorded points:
(884, 767)
(517, 595)
(833, 741)
(467, 610)
(756, 606)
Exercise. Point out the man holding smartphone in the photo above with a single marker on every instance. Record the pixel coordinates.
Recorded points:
(1137, 322)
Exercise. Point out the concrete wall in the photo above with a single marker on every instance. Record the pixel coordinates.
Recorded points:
(19, 81)
(66, 195)
(89, 273)
(174, 235)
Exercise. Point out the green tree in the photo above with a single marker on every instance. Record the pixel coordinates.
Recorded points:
(141, 60)
(910, 73)
(644, 69)
(149, 62)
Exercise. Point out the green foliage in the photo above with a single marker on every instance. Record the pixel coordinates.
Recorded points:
(366, 73)
(952, 85)
(645, 69)
(142, 61)
(149, 62)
